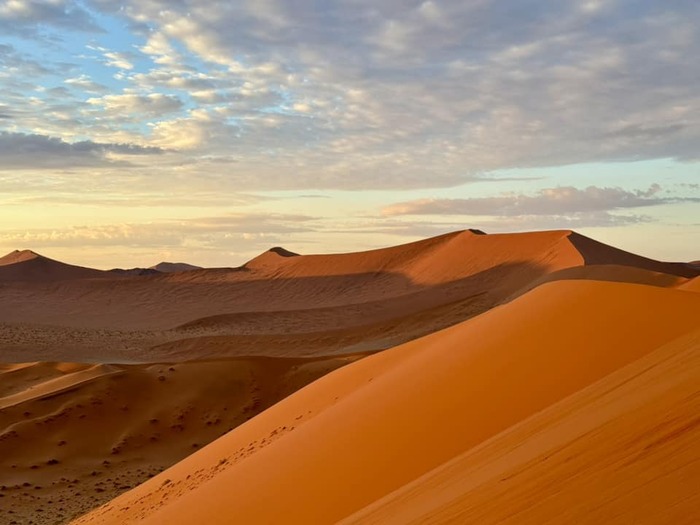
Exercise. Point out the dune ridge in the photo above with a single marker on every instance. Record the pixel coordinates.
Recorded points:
(452, 266)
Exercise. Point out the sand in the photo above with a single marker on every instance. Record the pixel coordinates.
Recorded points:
(320, 304)
(365, 431)
(623, 450)
(74, 436)
(415, 356)
(28, 266)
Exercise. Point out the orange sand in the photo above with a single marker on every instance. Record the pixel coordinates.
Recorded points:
(73, 436)
(131, 372)
(367, 430)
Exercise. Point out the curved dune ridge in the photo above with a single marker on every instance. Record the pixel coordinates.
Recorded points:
(112, 377)
(362, 433)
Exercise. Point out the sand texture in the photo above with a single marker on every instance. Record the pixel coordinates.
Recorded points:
(364, 432)
(466, 378)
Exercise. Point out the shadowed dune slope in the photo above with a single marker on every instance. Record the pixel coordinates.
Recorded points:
(28, 266)
(73, 436)
(594, 252)
(360, 433)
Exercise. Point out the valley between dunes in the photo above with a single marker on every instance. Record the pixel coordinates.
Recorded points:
(537, 377)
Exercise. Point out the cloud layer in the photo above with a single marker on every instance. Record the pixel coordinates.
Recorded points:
(359, 94)
(549, 207)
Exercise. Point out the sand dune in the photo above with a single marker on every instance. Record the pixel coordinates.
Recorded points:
(452, 266)
(594, 252)
(26, 265)
(365, 431)
(324, 297)
(170, 267)
(470, 336)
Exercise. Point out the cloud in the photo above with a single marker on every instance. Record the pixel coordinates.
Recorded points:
(388, 95)
(219, 232)
(560, 207)
(550, 201)
(130, 106)
(24, 151)
(118, 60)
(84, 83)
(24, 17)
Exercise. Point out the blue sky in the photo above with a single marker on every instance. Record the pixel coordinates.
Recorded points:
(137, 131)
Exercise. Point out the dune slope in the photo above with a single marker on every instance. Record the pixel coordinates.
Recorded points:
(367, 430)
(28, 266)
(623, 450)
(73, 436)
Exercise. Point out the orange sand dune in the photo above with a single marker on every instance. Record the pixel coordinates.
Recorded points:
(170, 267)
(594, 252)
(73, 436)
(451, 266)
(363, 432)
(437, 271)
(223, 331)
(623, 450)
(613, 273)
(28, 266)
(326, 304)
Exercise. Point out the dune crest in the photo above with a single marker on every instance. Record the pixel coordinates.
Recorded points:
(29, 266)
(18, 256)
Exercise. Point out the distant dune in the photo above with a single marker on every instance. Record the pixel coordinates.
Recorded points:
(170, 267)
(464, 376)
(28, 266)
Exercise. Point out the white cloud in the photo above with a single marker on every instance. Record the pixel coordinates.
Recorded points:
(135, 106)
(21, 17)
(220, 233)
(86, 84)
(118, 60)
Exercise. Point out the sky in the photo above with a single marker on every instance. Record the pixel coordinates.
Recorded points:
(209, 131)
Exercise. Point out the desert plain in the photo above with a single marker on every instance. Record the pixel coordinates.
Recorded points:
(524, 378)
